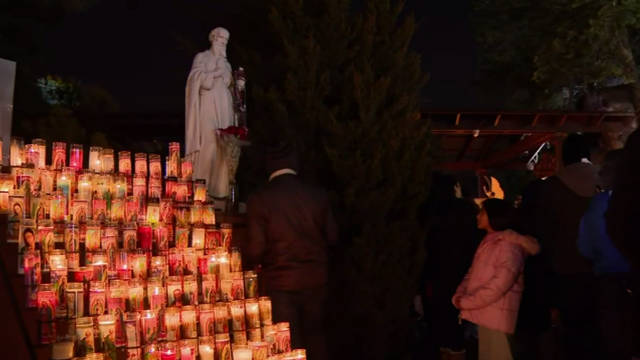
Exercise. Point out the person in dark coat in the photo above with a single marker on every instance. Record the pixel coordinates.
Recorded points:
(564, 198)
(451, 243)
(530, 341)
(291, 228)
(621, 213)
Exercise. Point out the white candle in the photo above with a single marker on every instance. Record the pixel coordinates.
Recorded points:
(242, 354)
(62, 350)
(206, 352)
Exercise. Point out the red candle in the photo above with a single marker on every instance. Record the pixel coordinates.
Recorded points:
(145, 236)
(168, 355)
(75, 159)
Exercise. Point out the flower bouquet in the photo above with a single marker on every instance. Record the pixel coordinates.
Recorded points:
(233, 137)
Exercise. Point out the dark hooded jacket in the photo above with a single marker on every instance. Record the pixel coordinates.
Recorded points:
(564, 198)
(625, 197)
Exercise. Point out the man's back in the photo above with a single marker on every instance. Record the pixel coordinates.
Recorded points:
(291, 228)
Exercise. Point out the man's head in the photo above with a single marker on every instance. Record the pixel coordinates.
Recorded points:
(608, 168)
(219, 37)
(574, 149)
(280, 156)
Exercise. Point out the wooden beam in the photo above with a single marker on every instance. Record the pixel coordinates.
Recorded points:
(458, 119)
(476, 166)
(599, 120)
(497, 121)
(440, 126)
(535, 120)
(563, 119)
(465, 148)
(516, 149)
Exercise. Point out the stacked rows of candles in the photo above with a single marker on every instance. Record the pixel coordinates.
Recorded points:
(133, 262)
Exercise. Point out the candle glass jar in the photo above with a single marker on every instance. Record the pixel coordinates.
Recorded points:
(41, 146)
(155, 188)
(168, 351)
(59, 157)
(63, 348)
(152, 352)
(237, 286)
(72, 244)
(123, 263)
(190, 290)
(190, 257)
(58, 210)
(85, 185)
(32, 275)
(136, 295)
(176, 262)
(209, 288)
(197, 237)
(252, 313)
(155, 166)
(238, 322)
(206, 347)
(187, 169)
(174, 291)
(140, 187)
(107, 160)
(107, 327)
(124, 162)
(156, 294)
(264, 304)
(75, 300)
(95, 154)
(85, 336)
(138, 260)
(116, 306)
(145, 236)
(47, 304)
(92, 241)
(76, 158)
(149, 326)
(100, 263)
(283, 337)
(227, 235)
(200, 190)
(141, 165)
(206, 319)
(130, 236)
(224, 266)
(158, 267)
(132, 329)
(174, 159)
(109, 242)
(221, 317)
(99, 208)
(223, 346)
(32, 157)
(172, 322)
(119, 186)
(97, 298)
(259, 350)
(196, 213)
(250, 284)
(161, 239)
(189, 322)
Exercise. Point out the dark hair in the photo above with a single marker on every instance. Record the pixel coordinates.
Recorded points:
(281, 156)
(610, 162)
(501, 214)
(575, 148)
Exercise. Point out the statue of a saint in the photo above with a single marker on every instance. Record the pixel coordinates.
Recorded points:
(209, 107)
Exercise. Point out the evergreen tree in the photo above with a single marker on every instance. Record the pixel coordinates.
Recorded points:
(348, 96)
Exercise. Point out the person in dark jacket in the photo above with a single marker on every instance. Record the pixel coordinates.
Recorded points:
(531, 339)
(621, 214)
(291, 228)
(564, 198)
(451, 243)
(617, 308)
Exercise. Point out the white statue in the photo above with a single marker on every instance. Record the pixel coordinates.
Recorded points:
(209, 107)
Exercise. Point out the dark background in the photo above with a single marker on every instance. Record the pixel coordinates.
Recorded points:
(131, 48)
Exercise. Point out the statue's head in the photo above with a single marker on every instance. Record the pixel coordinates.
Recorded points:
(219, 37)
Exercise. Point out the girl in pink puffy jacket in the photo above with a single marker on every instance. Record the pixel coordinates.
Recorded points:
(490, 293)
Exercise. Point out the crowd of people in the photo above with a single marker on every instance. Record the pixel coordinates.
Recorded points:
(554, 277)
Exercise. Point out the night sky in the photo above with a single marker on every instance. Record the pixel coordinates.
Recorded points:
(130, 48)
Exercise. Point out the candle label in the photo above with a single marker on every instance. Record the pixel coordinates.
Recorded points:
(47, 305)
(254, 335)
(265, 311)
(283, 341)
(253, 315)
(207, 323)
(117, 210)
(46, 177)
(131, 210)
(162, 237)
(213, 238)
(110, 244)
(190, 294)
(38, 210)
(139, 187)
(227, 237)
(237, 289)
(174, 294)
(251, 287)
(59, 157)
(166, 210)
(223, 349)
(99, 210)
(162, 325)
(259, 350)
(237, 319)
(200, 192)
(46, 238)
(225, 290)
(149, 329)
(80, 210)
(209, 290)
(92, 239)
(27, 241)
(17, 206)
(176, 268)
(235, 261)
(124, 166)
(157, 302)
(108, 336)
(72, 240)
(190, 263)
(221, 317)
(75, 304)
(209, 214)
(136, 299)
(86, 339)
(141, 166)
(155, 169)
(59, 281)
(189, 327)
(140, 267)
(134, 354)
(32, 271)
(153, 213)
(97, 303)
(182, 237)
(133, 333)
(158, 270)
(116, 306)
(173, 327)
(130, 239)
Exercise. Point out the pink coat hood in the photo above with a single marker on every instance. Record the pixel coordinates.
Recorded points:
(491, 291)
